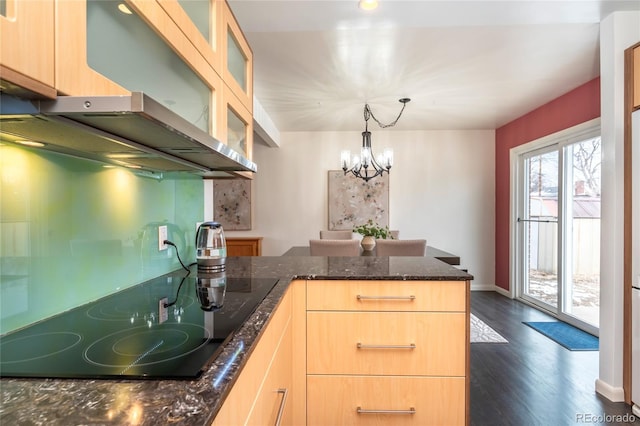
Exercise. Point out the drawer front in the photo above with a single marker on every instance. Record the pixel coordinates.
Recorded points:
(385, 339)
(334, 400)
(275, 396)
(354, 295)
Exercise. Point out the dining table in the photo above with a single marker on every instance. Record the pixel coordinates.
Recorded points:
(434, 252)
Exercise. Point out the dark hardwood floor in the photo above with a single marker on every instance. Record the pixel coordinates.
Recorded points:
(532, 380)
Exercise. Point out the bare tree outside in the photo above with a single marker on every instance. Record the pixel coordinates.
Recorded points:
(587, 160)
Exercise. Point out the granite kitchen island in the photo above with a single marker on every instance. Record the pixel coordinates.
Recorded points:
(197, 402)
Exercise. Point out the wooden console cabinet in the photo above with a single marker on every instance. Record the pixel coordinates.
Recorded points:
(244, 246)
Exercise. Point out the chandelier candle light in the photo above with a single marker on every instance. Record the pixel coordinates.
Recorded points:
(367, 166)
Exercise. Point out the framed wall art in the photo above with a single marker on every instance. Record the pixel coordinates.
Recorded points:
(352, 201)
(232, 203)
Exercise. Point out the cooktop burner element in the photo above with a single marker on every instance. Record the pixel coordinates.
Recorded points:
(123, 335)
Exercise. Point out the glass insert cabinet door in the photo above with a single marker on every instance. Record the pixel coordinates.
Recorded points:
(123, 48)
(200, 13)
(236, 61)
(236, 132)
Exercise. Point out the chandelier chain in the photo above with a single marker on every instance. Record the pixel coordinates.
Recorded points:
(368, 113)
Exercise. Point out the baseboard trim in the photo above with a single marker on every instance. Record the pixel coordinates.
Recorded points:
(613, 394)
(491, 287)
(636, 410)
(502, 291)
(482, 287)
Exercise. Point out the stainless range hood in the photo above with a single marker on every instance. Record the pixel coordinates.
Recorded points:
(132, 130)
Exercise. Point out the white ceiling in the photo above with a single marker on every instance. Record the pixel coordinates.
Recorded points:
(464, 64)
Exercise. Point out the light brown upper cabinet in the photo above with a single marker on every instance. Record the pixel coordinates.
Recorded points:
(27, 47)
(236, 124)
(92, 59)
(170, 49)
(237, 59)
(73, 74)
(200, 21)
(189, 55)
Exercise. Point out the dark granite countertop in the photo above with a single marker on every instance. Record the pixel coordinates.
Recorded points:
(153, 402)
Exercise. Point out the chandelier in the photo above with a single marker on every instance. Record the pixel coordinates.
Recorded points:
(366, 166)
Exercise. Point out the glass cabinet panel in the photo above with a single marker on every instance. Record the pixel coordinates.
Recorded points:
(236, 61)
(200, 13)
(236, 132)
(123, 48)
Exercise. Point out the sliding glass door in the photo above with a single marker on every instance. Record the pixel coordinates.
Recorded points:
(558, 229)
(582, 231)
(539, 226)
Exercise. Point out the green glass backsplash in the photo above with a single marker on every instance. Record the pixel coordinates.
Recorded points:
(72, 231)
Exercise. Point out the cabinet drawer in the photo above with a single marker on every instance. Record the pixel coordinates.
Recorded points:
(439, 338)
(275, 395)
(334, 400)
(386, 295)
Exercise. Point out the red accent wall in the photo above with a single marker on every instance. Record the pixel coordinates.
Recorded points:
(575, 107)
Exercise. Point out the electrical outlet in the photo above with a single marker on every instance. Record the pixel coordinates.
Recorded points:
(162, 235)
(163, 311)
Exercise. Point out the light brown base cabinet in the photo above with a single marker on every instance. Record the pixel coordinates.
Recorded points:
(359, 352)
(387, 352)
(262, 393)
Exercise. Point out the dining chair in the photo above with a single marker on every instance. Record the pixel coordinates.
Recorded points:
(401, 247)
(334, 247)
(336, 235)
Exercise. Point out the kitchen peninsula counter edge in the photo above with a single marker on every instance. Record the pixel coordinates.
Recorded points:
(196, 402)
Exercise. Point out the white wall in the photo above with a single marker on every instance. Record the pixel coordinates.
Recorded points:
(617, 32)
(441, 189)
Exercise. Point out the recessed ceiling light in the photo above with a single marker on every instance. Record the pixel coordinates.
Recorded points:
(31, 143)
(124, 9)
(368, 4)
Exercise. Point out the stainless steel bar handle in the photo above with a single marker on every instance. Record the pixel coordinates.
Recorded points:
(409, 346)
(361, 297)
(283, 402)
(411, 410)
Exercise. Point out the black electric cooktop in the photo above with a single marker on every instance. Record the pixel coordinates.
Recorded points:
(123, 336)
